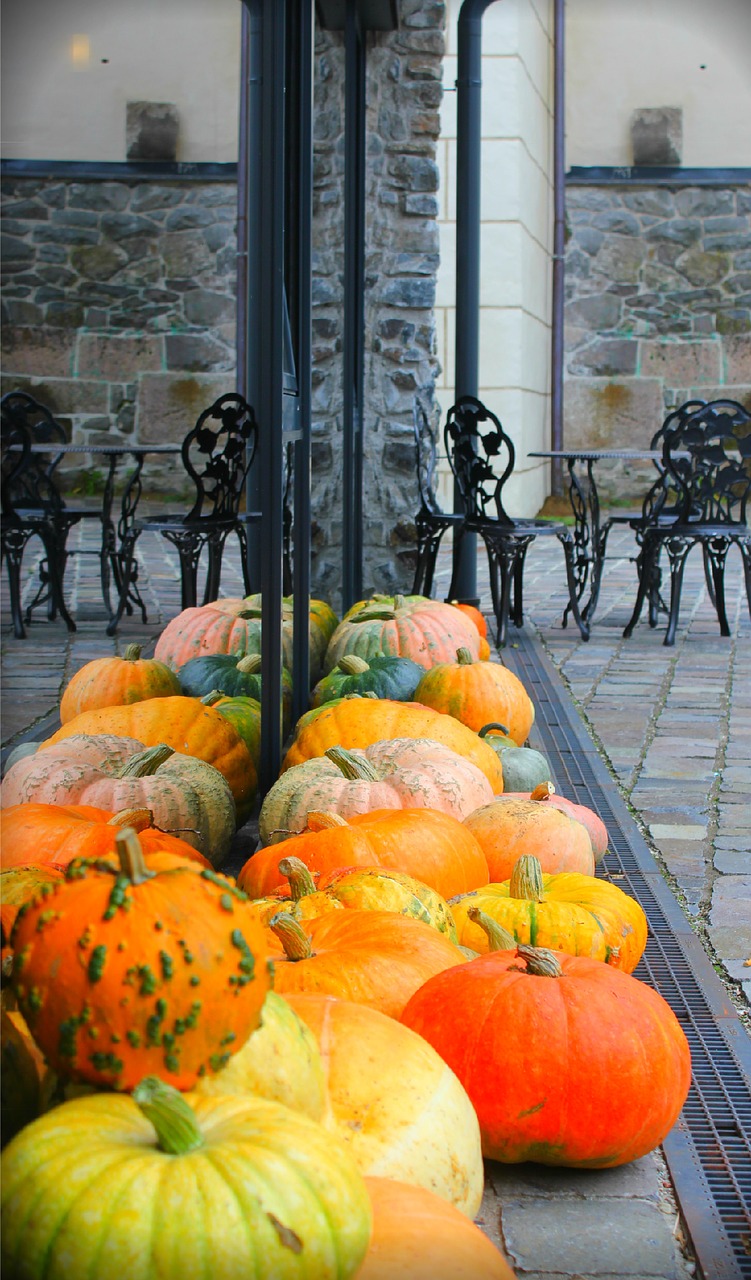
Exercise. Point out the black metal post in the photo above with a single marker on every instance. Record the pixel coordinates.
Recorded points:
(559, 247)
(468, 169)
(266, 208)
(248, 231)
(354, 291)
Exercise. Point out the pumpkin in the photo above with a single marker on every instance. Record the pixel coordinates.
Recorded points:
(55, 834)
(17, 885)
(358, 722)
(186, 796)
(144, 1187)
(545, 791)
(234, 626)
(418, 1236)
(375, 958)
(386, 677)
(126, 969)
(185, 724)
(114, 681)
(393, 1101)
(22, 1070)
(233, 676)
(540, 1038)
(581, 915)
(363, 888)
(523, 767)
(427, 631)
(433, 847)
(471, 611)
(398, 773)
(507, 828)
(280, 1061)
(244, 714)
(477, 693)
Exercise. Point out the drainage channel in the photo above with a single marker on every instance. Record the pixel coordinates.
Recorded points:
(708, 1151)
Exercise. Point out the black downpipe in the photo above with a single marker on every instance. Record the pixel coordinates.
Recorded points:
(354, 304)
(249, 152)
(559, 246)
(468, 171)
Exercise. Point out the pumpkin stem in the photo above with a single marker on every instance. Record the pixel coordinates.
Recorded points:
(250, 664)
(353, 665)
(320, 820)
(247, 614)
(494, 725)
(132, 652)
(145, 763)
(526, 879)
(138, 819)
(355, 768)
(543, 791)
(295, 941)
(542, 962)
(499, 939)
(210, 699)
(464, 657)
(301, 882)
(130, 855)
(173, 1119)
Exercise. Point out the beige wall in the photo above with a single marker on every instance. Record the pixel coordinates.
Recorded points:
(516, 234)
(624, 54)
(180, 51)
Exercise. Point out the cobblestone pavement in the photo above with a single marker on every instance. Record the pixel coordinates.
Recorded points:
(674, 727)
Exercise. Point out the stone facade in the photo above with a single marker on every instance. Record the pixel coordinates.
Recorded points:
(658, 311)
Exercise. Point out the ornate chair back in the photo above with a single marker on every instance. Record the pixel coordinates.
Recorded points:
(217, 455)
(481, 456)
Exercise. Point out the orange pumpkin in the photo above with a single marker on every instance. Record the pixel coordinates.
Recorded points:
(186, 725)
(113, 682)
(125, 971)
(17, 885)
(477, 693)
(471, 612)
(417, 1235)
(592, 821)
(540, 1038)
(358, 722)
(52, 835)
(427, 631)
(431, 846)
(506, 829)
(376, 958)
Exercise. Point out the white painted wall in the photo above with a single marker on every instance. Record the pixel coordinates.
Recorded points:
(516, 233)
(180, 51)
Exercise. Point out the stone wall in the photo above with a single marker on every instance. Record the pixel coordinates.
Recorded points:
(658, 311)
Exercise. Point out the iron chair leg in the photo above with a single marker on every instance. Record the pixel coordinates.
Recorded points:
(215, 543)
(14, 542)
(56, 560)
(716, 552)
(646, 563)
(677, 549)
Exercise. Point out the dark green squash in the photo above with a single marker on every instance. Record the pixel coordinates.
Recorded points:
(234, 676)
(523, 767)
(386, 677)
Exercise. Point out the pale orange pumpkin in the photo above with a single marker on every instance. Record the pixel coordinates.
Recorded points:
(478, 693)
(506, 829)
(115, 681)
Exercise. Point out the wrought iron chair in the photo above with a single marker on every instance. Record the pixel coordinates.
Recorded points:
(217, 455)
(707, 454)
(431, 522)
(476, 444)
(31, 506)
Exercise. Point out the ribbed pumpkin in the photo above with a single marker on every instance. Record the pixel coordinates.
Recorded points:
(234, 626)
(579, 914)
(477, 693)
(523, 767)
(244, 714)
(394, 1102)
(427, 631)
(52, 835)
(358, 722)
(114, 681)
(186, 796)
(507, 828)
(232, 676)
(375, 958)
(592, 821)
(360, 888)
(540, 1038)
(386, 677)
(418, 1236)
(121, 970)
(182, 723)
(150, 1187)
(280, 1061)
(433, 847)
(398, 773)
(22, 1069)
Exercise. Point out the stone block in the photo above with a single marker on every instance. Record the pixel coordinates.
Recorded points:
(117, 358)
(681, 364)
(197, 352)
(185, 254)
(597, 311)
(737, 353)
(65, 395)
(205, 307)
(609, 357)
(41, 353)
(170, 403)
(657, 135)
(605, 413)
(638, 1243)
(98, 261)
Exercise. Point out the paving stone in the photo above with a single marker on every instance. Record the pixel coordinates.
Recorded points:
(638, 1242)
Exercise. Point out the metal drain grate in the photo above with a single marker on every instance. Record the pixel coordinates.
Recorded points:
(709, 1150)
